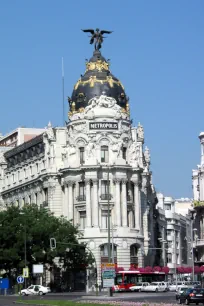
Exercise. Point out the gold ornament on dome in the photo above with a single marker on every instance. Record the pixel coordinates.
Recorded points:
(128, 108)
(81, 110)
(99, 65)
(73, 107)
(92, 80)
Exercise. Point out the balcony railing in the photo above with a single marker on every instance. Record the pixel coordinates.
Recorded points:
(198, 203)
(106, 196)
(129, 198)
(81, 198)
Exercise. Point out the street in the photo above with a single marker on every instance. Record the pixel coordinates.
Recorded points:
(168, 297)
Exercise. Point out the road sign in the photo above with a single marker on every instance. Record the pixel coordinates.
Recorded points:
(25, 272)
(20, 279)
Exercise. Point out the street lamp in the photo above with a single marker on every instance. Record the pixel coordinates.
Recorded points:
(25, 244)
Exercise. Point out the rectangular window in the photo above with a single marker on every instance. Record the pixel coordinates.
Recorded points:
(31, 170)
(124, 152)
(82, 192)
(37, 168)
(13, 177)
(104, 219)
(167, 206)
(25, 173)
(36, 198)
(105, 190)
(82, 216)
(81, 155)
(104, 154)
(169, 258)
(168, 232)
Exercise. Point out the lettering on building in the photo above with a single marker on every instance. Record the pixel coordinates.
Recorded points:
(103, 126)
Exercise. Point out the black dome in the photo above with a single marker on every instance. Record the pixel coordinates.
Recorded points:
(97, 80)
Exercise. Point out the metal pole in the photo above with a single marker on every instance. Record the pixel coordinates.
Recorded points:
(25, 248)
(109, 243)
(112, 245)
(175, 252)
(192, 255)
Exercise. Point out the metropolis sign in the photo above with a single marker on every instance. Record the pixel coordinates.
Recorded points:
(103, 126)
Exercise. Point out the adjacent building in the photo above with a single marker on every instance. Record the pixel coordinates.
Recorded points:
(198, 195)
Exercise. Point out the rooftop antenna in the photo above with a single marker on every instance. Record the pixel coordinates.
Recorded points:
(63, 110)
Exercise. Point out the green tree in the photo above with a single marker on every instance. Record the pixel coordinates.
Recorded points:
(37, 226)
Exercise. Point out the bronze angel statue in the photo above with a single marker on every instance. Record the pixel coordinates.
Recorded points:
(97, 37)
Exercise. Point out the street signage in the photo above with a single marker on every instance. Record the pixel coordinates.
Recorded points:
(108, 274)
(107, 283)
(25, 272)
(20, 279)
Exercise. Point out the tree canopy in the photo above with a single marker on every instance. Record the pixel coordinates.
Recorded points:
(36, 226)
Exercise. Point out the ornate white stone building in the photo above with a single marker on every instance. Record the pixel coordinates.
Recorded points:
(70, 169)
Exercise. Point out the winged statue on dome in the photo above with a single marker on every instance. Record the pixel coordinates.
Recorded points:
(97, 37)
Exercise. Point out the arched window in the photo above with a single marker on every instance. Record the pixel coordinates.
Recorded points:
(104, 253)
(134, 255)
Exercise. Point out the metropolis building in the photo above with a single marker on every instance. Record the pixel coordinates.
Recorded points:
(97, 161)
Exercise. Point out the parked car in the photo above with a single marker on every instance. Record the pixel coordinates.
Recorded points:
(139, 287)
(180, 291)
(174, 286)
(192, 296)
(155, 287)
(35, 290)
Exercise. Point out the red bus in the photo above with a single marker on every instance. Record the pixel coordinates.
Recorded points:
(126, 279)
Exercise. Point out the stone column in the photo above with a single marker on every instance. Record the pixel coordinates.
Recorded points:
(70, 201)
(124, 202)
(95, 207)
(117, 202)
(137, 203)
(88, 202)
(65, 202)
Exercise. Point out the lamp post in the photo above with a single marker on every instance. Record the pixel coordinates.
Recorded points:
(25, 245)
(192, 240)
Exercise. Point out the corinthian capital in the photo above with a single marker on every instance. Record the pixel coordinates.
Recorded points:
(116, 180)
(124, 181)
(95, 181)
(87, 181)
(70, 183)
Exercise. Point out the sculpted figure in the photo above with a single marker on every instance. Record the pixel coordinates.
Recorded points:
(140, 131)
(50, 132)
(147, 155)
(91, 150)
(97, 37)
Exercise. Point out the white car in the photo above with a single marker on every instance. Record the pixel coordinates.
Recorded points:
(139, 287)
(173, 286)
(35, 290)
(156, 287)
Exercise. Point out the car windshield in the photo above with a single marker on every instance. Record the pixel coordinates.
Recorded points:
(139, 284)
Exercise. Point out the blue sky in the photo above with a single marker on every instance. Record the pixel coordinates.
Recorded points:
(156, 50)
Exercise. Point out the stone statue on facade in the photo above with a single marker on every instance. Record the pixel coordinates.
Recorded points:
(140, 131)
(134, 154)
(117, 147)
(50, 132)
(147, 155)
(91, 148)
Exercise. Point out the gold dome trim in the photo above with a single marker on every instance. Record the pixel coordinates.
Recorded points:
(99, 65)
(92, 80)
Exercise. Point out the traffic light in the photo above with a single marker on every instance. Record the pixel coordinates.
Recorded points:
(52, 243)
